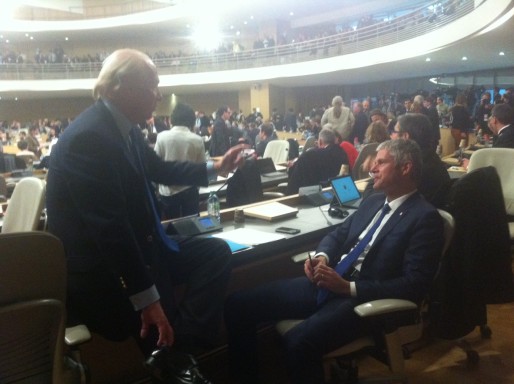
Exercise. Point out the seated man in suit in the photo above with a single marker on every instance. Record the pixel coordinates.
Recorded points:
(501, 123)
(390, 246)
(265, 136)
(317, 165)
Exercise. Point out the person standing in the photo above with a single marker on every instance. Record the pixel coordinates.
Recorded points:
(100, 202)
(340, 118)
(180, 144)
(220, 138)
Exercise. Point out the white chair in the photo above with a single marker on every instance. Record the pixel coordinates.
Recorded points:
(394, 337)
(25, 206)
(278, 150)
(32, 311)
(502, 159)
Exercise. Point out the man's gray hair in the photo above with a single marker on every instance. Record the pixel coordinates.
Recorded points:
(117, 66)
(337, 100)
(327, 136)
(405, 151)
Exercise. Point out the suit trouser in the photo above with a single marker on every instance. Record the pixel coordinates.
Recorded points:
(326, 328)
(97, 298)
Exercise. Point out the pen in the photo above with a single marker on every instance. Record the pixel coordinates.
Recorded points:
(310, 261)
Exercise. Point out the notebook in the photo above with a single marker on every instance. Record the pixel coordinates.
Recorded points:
(272, 211)
(346, 191)
(267, 167)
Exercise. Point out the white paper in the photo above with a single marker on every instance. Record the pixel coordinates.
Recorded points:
(249, 236)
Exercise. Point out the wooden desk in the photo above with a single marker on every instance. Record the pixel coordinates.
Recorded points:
(283, 135)
(11, 149)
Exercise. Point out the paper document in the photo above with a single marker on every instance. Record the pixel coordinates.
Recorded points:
(249, 236)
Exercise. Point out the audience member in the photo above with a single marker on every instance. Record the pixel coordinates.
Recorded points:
(28, 156)
(266, 131)
(435, 180)
(317, 165)
(180, 144)
(361, 122)
(220, 138)
(501, 124)
(375, 133)
(460, 121)
(399, 262)
(101, 204)
(340, 117)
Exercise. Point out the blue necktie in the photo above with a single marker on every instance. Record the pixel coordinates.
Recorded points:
(354, 254)
(170, 243)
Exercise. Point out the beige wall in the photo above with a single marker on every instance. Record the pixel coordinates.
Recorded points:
(52, 108)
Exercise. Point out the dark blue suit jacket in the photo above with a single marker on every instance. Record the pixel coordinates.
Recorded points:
(97, 202)
(404, 257)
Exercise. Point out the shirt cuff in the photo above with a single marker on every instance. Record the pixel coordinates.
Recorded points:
(143, 299)
(212, 175)
(322, 254)
(353, 289)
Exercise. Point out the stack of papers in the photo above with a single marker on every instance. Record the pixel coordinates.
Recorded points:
(271, 211)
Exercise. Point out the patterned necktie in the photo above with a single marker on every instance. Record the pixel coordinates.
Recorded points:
(169, 242)
(354, 254)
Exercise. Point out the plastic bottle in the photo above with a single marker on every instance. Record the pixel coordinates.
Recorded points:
(213, 207)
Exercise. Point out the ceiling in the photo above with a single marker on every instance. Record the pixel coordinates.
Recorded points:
(482, 50)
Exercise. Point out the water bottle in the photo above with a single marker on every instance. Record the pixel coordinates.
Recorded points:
(213, 207)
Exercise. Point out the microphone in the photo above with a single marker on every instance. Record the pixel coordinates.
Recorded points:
(326, 218)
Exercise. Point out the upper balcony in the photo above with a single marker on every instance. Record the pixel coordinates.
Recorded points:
(424, 30)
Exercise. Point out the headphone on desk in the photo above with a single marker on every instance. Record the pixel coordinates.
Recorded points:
(337, 212)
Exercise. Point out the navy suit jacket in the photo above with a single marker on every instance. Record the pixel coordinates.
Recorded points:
(506, 138)
(403, 259)
(97, 202)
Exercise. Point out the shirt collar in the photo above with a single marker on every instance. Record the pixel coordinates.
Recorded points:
(502, 128)
(124, 125)
(395, 204)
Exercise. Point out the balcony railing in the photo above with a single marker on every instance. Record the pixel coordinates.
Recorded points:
(411, 25)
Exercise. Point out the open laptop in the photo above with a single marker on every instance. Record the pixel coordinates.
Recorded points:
(267, 167)
(346, 191)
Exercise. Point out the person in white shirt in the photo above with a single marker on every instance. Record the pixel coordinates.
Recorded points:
(180, 144)
(340, 117)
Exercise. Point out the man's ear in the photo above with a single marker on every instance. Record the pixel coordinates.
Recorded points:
(406, 135)
(406, 168)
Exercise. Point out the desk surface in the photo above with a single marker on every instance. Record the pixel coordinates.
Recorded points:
(313, 223)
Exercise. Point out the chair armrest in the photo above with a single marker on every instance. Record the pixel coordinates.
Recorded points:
(384, 306)
(76, 335)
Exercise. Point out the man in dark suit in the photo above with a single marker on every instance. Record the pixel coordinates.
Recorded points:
(399, 262)
(220, 139)
(501, 123)
(317, 165)
(101, 204)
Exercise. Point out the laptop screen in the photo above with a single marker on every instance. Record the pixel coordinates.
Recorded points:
(345, 189)
(265, 165)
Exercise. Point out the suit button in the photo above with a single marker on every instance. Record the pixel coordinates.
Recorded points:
(149, 238)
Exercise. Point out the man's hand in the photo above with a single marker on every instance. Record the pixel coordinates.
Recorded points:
(310, 266)
(326, 277)
(154, 315)
(232, 159)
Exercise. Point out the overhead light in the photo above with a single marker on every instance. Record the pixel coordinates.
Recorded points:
(464, 58)
(291, 13)
(502, 53)
(251, 17)
(427, 59)
(66, 38)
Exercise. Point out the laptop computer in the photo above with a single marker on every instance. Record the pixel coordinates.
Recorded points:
(267, 167)
(346, 191)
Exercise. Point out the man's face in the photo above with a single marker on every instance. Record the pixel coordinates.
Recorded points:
(365, 105)
(139, 95)
(395, 133)
(491, 123)
(385, 173)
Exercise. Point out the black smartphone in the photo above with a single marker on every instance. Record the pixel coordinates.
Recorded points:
(289, 231)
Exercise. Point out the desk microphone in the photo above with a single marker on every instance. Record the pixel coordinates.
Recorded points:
(326, 218)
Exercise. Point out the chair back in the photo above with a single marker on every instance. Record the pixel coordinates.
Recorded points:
(245, 187)
(25, 206)
(366, 150)
(32, 312)
(502, 159)
(294, 149)
(278, 150)
(3, 189)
